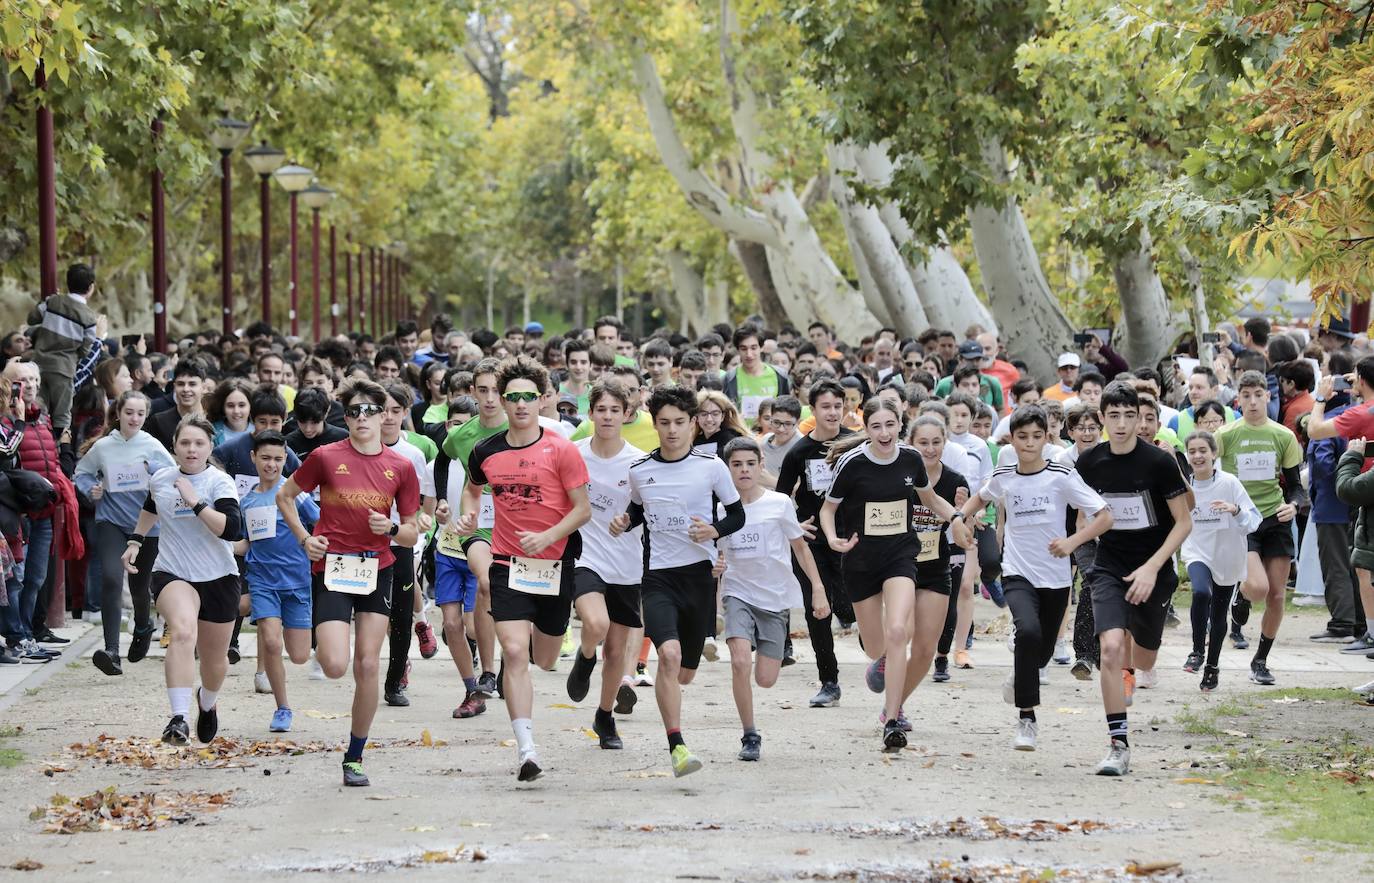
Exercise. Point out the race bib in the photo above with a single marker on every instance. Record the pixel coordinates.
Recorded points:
(245, 484)
(1206, 520)
(180, 509)
(535, 576)
(930, 546)
(127, 477)
(885, 519)
(749, 406)
(746, 543)
(819, 475)
(350, 574)
(1256, 466)
(610, 500)
(1129, 511)
(1027, 509)
(662, 519)
(262, 522)
(486, 514)
(451, 544)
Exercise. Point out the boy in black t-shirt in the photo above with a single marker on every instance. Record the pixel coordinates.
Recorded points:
(1133, 577)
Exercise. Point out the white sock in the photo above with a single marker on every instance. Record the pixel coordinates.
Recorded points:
(524, 735)
(207, 699)
(1369, 625)
(180, 700)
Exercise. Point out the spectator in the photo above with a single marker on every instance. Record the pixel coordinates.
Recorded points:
(1332, 519)
(187, 389)
(66, 342)
(1296, 382)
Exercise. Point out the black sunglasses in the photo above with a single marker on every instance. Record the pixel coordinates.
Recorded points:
(364, 410)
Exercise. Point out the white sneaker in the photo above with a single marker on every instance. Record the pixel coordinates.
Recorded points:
(1146, 679)
(1044, 676)
(313, 670)
(710, 651)
(643, 679)
(1061, 652)
(1011, 640)
(1366, 690)
(261, 684)
(92, 616)
(1026, 731)
(1118, 760)
(1009, 688)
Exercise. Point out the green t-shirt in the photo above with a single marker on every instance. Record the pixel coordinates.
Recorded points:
(626, 360)
(639, 432)
(990, 390)
(435, 414)
(425, 444)
(583, 400)
(752, 390)
(459, 444)
(1257, 455)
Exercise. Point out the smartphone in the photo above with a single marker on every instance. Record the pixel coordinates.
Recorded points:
(1341, 384)
(16, 391)
(1211, 337)
(129, 340)
(1082, 339)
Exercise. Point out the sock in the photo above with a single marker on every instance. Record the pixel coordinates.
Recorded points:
(470, 684)
(207, 699)
(1028, 714)
(1265, 643)
(604, 718)
(1116, 727)
(675, 739)
(644, 652)
(180, 700)
(356, 744)
(1369, 626)
(524, 735)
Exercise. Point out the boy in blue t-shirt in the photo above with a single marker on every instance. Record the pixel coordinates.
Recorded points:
(278, 570)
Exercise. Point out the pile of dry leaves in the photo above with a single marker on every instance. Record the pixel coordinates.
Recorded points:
(222, 753)
(108, 810)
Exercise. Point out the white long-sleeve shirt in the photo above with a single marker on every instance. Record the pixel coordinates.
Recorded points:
(1218, 538)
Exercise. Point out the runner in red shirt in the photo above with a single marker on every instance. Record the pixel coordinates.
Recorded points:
(358, 479)
(539, 485)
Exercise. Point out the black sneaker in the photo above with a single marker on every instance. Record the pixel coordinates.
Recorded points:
(894, 738)
(1210, 677)
(486, 685)
(1238, 638)
(828, 697)
(625, 699)
(177, 731)
(580, 678)
(6, 657)
(1193, 663)
(46, 636)
(788, 658)
(139, 644)
(1171, 619)
(1240, 610)
(1082, 669)
(751, 746)
(207, 722)
(397, 697)
(501, 681)
(610, 739)
(234, 654)
(107, 662)
(353, 775)
(529, 771)
(941, 670)
(1260, 674)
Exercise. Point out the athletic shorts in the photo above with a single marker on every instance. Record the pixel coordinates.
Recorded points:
(1145, 621)
(622, 602)
(548, 613)
(290, 604)
(331, 606)
(680, 605)
(864, 579)
(469, 542)
(454, 583)
(765, 630)
(933, 576)
(219, 597)
(1272, 539)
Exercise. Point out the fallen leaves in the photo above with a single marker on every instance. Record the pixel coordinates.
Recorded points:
(324, 715)
(26, 864)
(108, 810)
(449, 856)
(222, 753)
(1149, 869)
(982, 828)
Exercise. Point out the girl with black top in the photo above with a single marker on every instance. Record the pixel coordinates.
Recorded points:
(877, 482)
(718, 423)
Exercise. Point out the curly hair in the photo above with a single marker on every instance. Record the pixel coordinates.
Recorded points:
(522, 368)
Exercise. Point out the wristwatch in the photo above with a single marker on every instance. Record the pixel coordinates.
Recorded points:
(395, 529)
(199, 508)
(1321, 399)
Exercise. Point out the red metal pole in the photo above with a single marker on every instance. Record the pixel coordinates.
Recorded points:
(315, 271)
(372, 285)
(348, 279)
(1359, 317)
(333, 286)
(159, 250)
(47, 194)
(388, 292)
(265, 202)
(226, 265)
(295, 275)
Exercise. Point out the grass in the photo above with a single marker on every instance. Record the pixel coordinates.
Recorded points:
(10, 757)
(1324, 792)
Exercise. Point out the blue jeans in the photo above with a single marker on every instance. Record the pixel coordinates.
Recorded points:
(28, 578)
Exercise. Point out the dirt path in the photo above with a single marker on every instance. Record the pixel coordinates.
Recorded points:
(823, 804)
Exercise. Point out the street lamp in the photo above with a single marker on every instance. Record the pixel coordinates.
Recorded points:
(264, 160)
(227, 134)
(293, 179)
(316, 197)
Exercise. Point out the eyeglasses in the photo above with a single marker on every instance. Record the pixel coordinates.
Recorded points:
(520, 396)
(365, 410)
(714, 415)
(784, 424)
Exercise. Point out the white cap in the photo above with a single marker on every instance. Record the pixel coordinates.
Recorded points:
(1068, 360)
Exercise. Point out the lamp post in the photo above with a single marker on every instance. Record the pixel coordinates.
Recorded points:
(293, 179)
(348, 279)
(316, 197)
(333, 287)
(226, 134)
(264, 160)
(372, 284)
(159, 234)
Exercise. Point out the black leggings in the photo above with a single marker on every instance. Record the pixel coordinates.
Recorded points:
(110, 543)
(1085, 644)
(822, 638)
(956, 579)
(1210, 612)
(1036, 614)
(402, 614)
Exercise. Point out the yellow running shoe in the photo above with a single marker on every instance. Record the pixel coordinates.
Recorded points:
(684, 761)
(569, 648)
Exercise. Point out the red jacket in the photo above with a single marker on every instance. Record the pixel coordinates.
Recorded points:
(38, 451)
(71, 546)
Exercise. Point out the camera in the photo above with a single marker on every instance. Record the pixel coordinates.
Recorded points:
(1340, 384)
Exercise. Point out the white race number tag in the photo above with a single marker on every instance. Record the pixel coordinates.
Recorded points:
(262, 522)
(244, 484)
(486, 515)
(819, 476)
(749, 406)
(127, 477)
(930, 545)
(350, 574)
(1028, 509)
(1255, 466)
(662, 519)
(535, 576)
(451, 543)
(746, 543)
(885, 519)
(1208, 520)
(1129, 511)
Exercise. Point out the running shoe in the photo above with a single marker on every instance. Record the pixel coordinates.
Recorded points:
(607, 737)
(1171, 619)
(1260, 674)
(31, 649)
(1238, 638)
(529, 768)
(1365, 690)
(1009, 688)
(751, 746)
(6, 657)
(107, 662)
(501, 679)
(642, 676)
(486, 685)
(1026, 732)
(471, 706)
(1146, 678)
(968, 642)
(405, 676)
(962, 659)
(902, 720)
(941, 673)
(1118, 760)
(1327, 636)
(1193, 663)
(1011, 640)
(397, 697)
(46, 636)
(1240, 610)
(876, 676)
(1082, 670)
(828, 697)
(580, 678)
(1128, 683)
(261, 684)
(234, 654)
(207, 721)
(177, 731)
(569, 645)
(1061, 652)
(1362, 644)
(710, 650)
(625, 698)
(993, 592)
(1045, 676)
(428, 645)
(1210, 677)
(281, 721)
(788, 657)
(313, 670)
(894, 738)
(138, 645)
(353, 775)
(684, 761)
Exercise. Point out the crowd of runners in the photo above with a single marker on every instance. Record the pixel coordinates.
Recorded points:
(677, 494)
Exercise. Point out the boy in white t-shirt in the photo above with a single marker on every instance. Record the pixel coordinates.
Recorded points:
(757, 585)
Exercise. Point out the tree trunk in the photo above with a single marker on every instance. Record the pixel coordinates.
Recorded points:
(753, 259)
(1202, 325)
(689, 292)
(1147, 324)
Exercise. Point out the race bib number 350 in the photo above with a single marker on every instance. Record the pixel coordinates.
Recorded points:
(350, 574)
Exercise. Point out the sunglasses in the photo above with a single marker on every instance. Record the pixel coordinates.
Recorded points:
(367, 410)
(521, 396)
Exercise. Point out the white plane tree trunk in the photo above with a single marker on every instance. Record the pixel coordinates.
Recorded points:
(1148, 326)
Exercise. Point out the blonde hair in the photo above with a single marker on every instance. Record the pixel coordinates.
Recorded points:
(730, 418)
